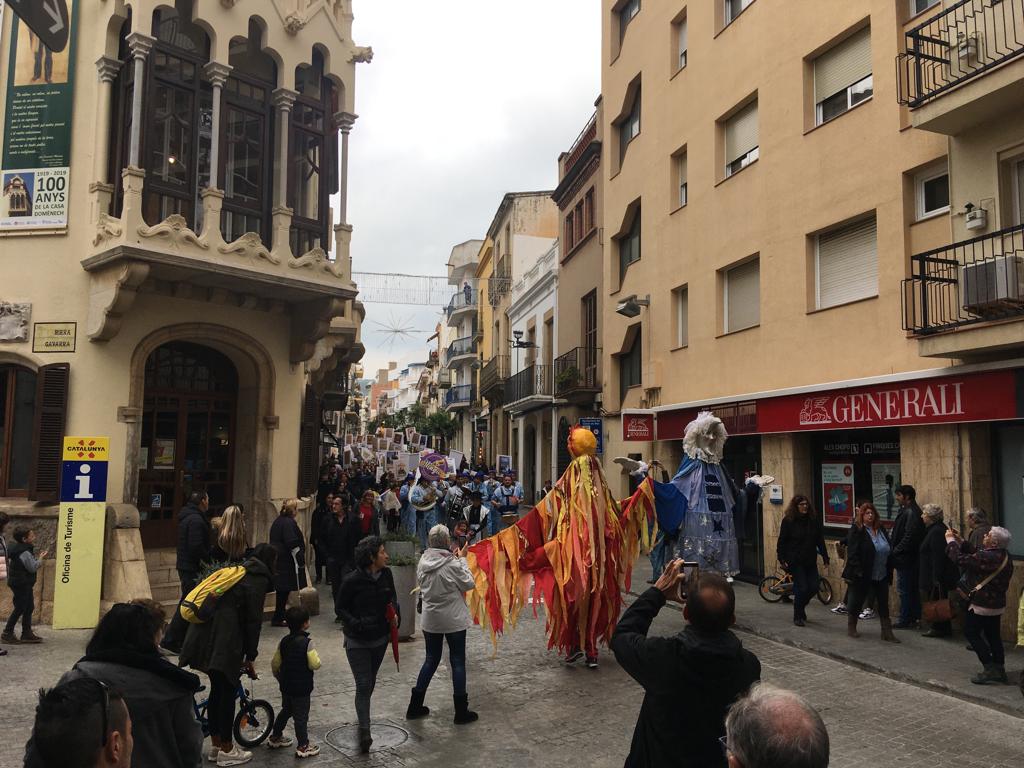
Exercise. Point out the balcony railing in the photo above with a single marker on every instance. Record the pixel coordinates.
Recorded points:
(493, 376)
(957, 44)
(973, 281)
(460, 347)
(532, 381)
(577, 371)
(499, 284)
(462, 300)
(463, 394)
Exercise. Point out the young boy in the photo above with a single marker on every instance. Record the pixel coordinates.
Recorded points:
(22, 565)
(293, 666)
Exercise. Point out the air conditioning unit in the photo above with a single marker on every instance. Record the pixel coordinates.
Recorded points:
(966, 46)
(991, 286)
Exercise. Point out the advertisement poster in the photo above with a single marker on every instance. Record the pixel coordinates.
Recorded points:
(163, 453)
(837, 493)
(504, 464)
(36, 157)
(885, 477)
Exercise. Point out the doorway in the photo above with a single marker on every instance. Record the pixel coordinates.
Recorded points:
(188, 435)
(742, 459)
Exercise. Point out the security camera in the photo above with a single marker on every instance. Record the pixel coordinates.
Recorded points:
(630, 306)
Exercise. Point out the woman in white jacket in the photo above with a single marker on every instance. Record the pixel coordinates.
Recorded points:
(443, 578)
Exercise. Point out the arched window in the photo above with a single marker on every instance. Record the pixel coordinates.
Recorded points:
(17, 412)
(312, 168)
(247, 138)
(178, 114)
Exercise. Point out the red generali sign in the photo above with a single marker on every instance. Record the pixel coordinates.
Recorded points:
(991, 396)
(638, 427)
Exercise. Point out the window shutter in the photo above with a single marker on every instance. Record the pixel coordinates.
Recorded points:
(741, 133)
(743, 296)
(309, 443)
(682, 41)
(848, 264)
(842, 66)
(48, 431)
(682, 317)
(681, 165)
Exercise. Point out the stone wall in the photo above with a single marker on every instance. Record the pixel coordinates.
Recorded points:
(42, 518)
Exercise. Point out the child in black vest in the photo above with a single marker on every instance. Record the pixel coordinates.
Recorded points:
(293, 666)
(22, 565)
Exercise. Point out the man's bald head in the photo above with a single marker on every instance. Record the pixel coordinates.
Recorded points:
(774, 728)
(711, 605)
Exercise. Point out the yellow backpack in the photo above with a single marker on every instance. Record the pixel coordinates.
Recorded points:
(199, 605)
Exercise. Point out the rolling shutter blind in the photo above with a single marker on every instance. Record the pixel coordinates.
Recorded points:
(681, 164)
(682, 317)
(743, 296)
(848, 264)
(741, 133)
(309, 444)
(843, 65)
(48, 431)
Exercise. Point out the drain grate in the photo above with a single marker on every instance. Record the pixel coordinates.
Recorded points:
(345, 738)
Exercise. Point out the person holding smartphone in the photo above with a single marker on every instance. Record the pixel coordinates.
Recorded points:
(689, 679)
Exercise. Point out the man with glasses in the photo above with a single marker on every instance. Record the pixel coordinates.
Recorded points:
(771, 727)
(80, 724)
(689, 679)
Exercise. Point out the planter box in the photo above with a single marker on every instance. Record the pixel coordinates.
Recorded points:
(405, 582)
(400, 549)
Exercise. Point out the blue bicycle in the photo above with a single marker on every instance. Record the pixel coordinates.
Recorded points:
(254, 720)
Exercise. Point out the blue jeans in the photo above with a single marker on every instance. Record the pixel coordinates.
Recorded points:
(456, 660)
(365, 663)
(805, 586)
(910, 597)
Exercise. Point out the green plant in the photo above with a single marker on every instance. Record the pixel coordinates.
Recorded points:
(568, 377)
(401, 561)
(412, 538)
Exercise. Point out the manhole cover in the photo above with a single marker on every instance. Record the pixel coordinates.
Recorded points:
(345, 738)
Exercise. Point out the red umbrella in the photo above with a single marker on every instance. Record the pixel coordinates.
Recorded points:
(391, 614)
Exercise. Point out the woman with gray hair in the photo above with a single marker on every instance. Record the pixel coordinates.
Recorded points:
(977, 522)
(936, 572)
(443, 579)
(987, 571)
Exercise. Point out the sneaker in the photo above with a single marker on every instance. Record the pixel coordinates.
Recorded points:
(730, 579)
(235, 757)
(574, 657)
(867, 613)
(9, 638)
(592, 662)
(308, 751)
(31, 639)
(840, 610)
(280, 741)
(213, 754)
(799, 622)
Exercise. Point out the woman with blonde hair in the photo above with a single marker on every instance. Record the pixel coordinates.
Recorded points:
(232, 542)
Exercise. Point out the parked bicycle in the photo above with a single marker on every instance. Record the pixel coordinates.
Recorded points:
(254, 720)
(779, 585)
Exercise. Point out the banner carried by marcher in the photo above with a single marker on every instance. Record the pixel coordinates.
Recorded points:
(35, 163)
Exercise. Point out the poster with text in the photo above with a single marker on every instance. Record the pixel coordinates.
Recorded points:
(36, 158)
(885, 478)
(837, 493)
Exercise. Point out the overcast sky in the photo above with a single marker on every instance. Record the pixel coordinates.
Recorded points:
(464, 101)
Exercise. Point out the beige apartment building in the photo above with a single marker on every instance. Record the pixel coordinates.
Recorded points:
(460, 355)
(173, 276)
(578, 368)
(823, 248)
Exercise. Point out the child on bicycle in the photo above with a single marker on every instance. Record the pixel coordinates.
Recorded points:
(293, 666)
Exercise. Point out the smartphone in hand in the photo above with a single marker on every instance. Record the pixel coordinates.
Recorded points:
(689, 572)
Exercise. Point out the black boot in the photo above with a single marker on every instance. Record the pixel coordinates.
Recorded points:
(365, 740)
(416, 709)
(463, 714)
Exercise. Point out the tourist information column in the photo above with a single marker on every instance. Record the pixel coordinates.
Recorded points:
(78, 572)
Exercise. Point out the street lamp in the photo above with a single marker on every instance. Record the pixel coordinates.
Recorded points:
(517, 343)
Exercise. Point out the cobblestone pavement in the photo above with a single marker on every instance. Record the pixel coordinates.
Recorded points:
(534, 711)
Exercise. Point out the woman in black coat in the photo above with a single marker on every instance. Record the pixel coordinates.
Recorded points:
(342, 537)
(318, 536)
(363, 604)
(287, 539)
(868, 569)
(228, 642)
(936, 572)
(801, 540)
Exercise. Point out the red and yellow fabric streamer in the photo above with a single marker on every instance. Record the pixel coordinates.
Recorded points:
(574, 551)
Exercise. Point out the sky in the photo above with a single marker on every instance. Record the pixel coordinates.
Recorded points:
(464, 101)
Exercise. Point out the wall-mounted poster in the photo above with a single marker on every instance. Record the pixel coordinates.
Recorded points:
(838, 494)
(885, 478)
(163, 453)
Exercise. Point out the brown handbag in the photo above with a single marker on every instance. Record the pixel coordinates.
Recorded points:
(936, 611)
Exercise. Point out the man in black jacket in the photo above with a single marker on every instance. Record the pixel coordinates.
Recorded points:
(193, 550)
(907, 535)
(689, 679)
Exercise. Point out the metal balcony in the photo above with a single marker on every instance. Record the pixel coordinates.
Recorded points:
(957, 44)
(577, 372)
(533, 381)
(460, 348)
(460, 396)
(492, 378)
(499, 285)
(973, 281)
(463, 301)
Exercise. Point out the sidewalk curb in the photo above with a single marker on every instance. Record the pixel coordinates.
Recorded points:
(928, 685)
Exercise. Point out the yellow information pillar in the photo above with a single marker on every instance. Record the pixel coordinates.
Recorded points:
(79, 548)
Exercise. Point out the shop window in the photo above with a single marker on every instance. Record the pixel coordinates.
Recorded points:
(851, 466)
(1009, 460)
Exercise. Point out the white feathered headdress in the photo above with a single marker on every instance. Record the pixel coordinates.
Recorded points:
(705, 438)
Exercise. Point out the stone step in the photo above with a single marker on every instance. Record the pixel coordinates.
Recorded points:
(166, 592)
